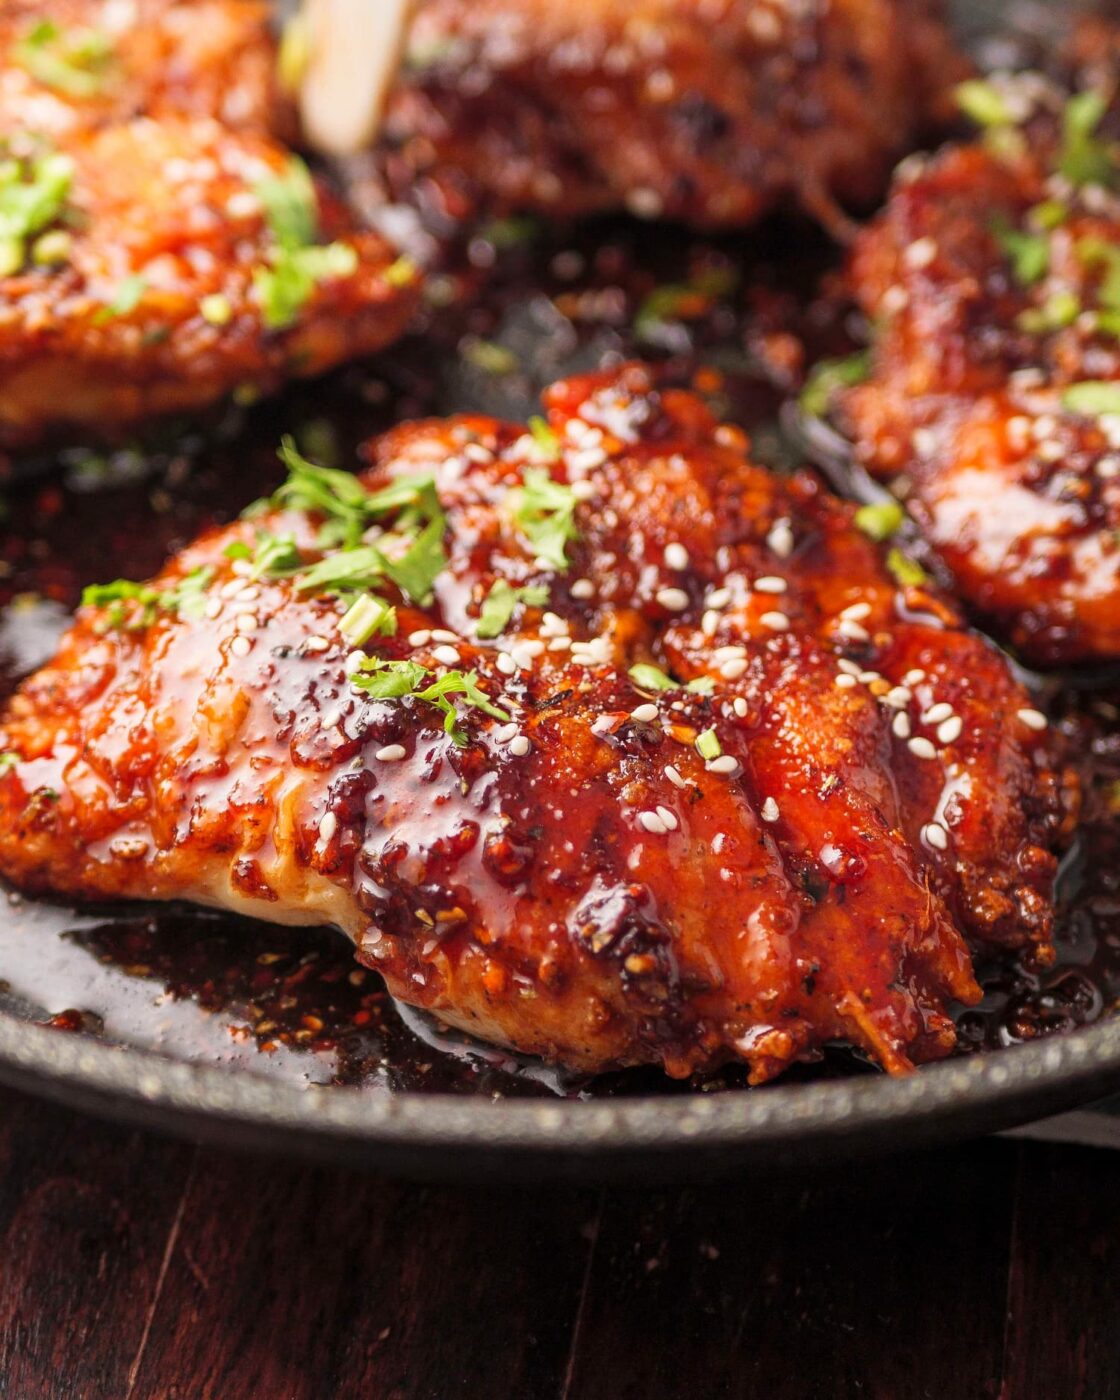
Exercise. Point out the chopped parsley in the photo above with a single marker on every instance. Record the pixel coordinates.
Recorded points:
(296, 263)
(393, 680)
(134, 606)
(33, 196)
(1029, 253)
(8, 761)
(983, 103)
(544, 438)
(75, 62)
(907, 572)
(685, 301)
(544, 512)
(126, 298)
(488, 356)
(880, 521)
(1085, 159)
(1092, 398)
(1060, 309)
(830, 376)
(411, 554)
(501, 602)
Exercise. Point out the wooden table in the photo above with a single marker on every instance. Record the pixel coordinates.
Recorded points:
(135, 1267)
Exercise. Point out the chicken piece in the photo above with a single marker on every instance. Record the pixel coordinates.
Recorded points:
(710, 113)
(74, 65)
(993, 281)
(657, 764)
(159, 265)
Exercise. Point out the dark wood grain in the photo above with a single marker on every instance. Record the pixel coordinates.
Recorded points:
(137, 1269)
(1063, 1326)
(86, 1212)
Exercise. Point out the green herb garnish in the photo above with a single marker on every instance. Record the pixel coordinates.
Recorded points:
(368, 617)
(880, 521)
(32, 197)
(125, 299)
(393, 680)
(134, 606)
(907, 572)
(652, 678)
(983, 103)
(708, 745)
(1092, 398)
(1085, 159)
(1029, 253)
(501, 602)
(544, 512)
(76, 62)
(830, 376)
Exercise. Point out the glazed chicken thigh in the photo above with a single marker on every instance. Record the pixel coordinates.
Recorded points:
(709, 111)
(992, 281)
(599, 742)
(158, 248)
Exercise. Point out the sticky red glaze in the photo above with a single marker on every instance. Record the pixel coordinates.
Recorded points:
(514, 886)
(709, 113)
(1020, 497)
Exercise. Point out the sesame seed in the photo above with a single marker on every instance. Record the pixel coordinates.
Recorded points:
(920, 253)
(669, 818)
(316, 644)
(503, 733)
(921, 748)
(709, 623)
(899, 697)
(328, 825)
(673, 599)
(441, 634)
(354, 662)
(718, 598)
(241, 646)
(740, 706)
(913, 677)
(731, 670)
(520, 746)
(849, 667)
(213, 608)
(776, 621)
(770, 583)
(506, 664)
(868, 677)
(560, 644)
(652, 822)
(583, 490)
(900, 725)
(770, 811)
(857, 612)
(673, 774)
(950, 730)
(246, 622)
(553, 625)
(582, 588)
(1033, 719)
(725, 764)
(845, 682)
(936, 713)
(645, 714)
(780, 539)
(676, 556)
(936, 836)
(853, 631)
(446, 656)
(391, 753)
(420, 638)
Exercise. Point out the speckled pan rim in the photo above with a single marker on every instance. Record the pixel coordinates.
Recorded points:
(989, 1091)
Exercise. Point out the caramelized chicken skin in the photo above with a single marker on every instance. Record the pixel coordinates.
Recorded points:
(784, 827)
(73, 65)
(711, 113)
(994, 390)
(158, 249)
(173, 287)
